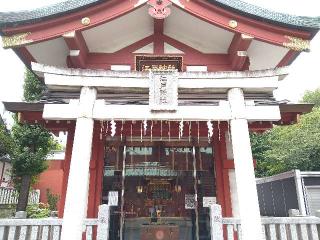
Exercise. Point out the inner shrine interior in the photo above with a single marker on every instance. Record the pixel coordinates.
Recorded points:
(160, 176)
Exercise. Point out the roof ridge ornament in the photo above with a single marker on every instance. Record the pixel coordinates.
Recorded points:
(297, 44)
(159, 8)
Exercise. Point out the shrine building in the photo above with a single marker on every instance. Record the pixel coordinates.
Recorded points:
(158, 98)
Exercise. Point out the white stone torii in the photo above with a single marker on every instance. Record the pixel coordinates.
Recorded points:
(87, 109)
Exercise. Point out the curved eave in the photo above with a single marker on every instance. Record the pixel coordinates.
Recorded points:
(266, 15)
(52, 22)
(15, 19)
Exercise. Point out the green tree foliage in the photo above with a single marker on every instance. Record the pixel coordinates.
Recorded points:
(285, 148)
(39, 210)
(32, 144)
(259, 145)
(5, 141)
(52, 200)
(33, 88)
(312, 97)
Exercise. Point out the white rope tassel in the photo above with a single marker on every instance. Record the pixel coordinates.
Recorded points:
(210, 130)
(145, 126)
(181, 129)
(113, 128)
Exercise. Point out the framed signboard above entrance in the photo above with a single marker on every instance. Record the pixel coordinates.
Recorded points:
(148, 62)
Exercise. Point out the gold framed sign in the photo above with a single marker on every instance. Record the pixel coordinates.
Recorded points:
(159, 63)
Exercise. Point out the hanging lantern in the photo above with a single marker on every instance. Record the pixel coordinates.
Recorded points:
(177, 188)
(139, 189)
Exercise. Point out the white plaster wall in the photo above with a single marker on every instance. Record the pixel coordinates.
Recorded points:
(234, 193)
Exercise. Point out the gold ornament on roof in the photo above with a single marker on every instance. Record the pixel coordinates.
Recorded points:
(233, 23)
(85, 21)
(297, 44)
(16, 40)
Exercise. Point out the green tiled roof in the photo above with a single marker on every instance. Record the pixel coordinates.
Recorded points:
(267, 15)
(11, 19)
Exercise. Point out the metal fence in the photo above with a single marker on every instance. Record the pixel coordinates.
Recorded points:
(10, 196)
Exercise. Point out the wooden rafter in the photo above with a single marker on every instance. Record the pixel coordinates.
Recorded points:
(137, 45)
(238, 51)
(158, 40)
(78, 48)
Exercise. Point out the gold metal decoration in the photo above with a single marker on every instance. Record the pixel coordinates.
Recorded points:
(297, 44)
(233, 23)
(85, 21)
(16, 40)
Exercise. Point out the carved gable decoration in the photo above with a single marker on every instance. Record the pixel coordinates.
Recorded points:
(163, 91)
(159, 8)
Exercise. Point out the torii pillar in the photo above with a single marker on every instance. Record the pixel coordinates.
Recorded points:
(78, 182)
(244, 170)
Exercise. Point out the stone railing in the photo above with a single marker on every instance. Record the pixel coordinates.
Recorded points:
(273, 228)
(10, 196)
(50, 228)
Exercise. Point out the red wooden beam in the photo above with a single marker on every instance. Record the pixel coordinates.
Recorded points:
(75, 41)
(260, 126)
(25, 56)
(78, 48)
(66, 169)
(181, 46)
(288, 58)
(93, 172)
(135, 46)
(54, 126)
(158, 40)
(215, 62)
(240, 42)
(238, 51)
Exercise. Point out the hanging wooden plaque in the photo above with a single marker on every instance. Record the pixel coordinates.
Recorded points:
(147, 63)
(163, 91)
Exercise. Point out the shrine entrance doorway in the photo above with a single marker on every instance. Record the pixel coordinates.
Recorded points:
(158, 188)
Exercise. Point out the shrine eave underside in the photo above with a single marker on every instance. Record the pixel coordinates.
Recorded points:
(14, 19)
(221, 35)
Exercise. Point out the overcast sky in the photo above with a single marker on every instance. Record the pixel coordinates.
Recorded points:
(304, 73)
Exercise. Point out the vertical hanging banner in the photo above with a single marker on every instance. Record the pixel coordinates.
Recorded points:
(216, 222)
(163, 91)
(190, 201)
(113, 198)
